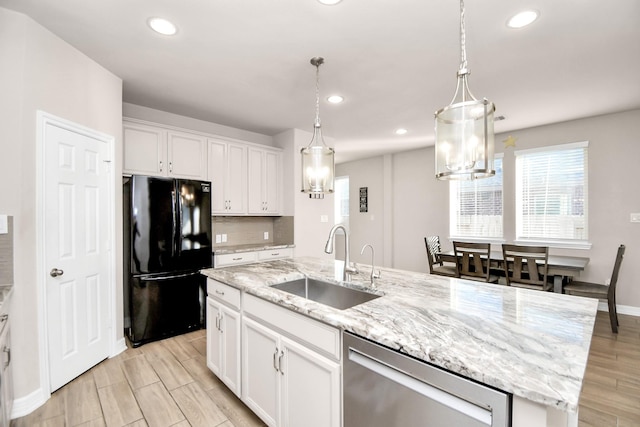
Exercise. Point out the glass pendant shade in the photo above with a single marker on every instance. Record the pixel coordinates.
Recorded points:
(317, 167)
(317, 158)
(464, 130)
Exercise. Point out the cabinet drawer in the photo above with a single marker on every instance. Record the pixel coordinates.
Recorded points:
(234, 259)
(275, 254)
(320, 336)
(224, 293)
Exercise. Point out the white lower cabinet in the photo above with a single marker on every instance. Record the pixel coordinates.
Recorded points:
(286, 383)
(223, 334)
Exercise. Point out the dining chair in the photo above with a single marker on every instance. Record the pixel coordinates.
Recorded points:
(436, 265)
(473, 261)
(596, 290)
(526, 266)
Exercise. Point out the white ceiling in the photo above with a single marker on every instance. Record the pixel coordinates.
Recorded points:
(245, 63)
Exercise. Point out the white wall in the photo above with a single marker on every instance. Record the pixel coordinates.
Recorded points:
(420, 202)
(41, 72)
(163, 117)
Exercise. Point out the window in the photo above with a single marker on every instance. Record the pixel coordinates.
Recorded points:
(551, 193)
(476, 206)
(341, 201)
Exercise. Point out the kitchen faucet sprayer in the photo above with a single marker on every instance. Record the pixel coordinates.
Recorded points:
(328, 248)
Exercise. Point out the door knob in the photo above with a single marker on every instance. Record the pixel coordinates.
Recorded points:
(56, 272)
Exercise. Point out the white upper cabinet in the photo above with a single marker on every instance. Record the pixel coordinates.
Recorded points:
(228, 176)
(153, 150)
(265, 184)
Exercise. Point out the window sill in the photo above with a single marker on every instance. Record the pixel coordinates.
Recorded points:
(556, 244)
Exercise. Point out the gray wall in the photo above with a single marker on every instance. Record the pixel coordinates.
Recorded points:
(420, 202)
(41, 72)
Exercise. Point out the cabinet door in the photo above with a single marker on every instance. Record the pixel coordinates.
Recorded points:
(310, 388)
(144, 150)
(214, 342)
(217, 175)
(236, 179)
(271, 182)
(230, 337)
(255, 182)
(187, 155)
(264, 182)
(260, 375)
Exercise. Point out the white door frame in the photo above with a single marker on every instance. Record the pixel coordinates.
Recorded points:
(43, 120)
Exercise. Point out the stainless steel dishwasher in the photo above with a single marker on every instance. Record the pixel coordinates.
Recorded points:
(384, 388)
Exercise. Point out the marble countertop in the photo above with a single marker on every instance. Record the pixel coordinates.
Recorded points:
(5, 291)
(248, 248)
(530, 343)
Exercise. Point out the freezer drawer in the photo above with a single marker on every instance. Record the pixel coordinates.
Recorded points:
(385, 388)
(163, 306)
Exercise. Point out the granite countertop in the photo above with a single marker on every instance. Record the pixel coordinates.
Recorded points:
(5, 291)
(530, 343)
(248, 248)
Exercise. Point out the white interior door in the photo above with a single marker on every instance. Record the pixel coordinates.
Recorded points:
(77, 251)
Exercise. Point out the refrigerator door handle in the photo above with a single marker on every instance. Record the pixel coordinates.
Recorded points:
(171, 277)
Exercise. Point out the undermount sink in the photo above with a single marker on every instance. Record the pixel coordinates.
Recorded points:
(327, 293)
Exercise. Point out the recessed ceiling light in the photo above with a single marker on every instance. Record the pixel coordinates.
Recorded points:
(329, 2)
(335, 99)
(162, 26)
(401, 131)
(523, 19)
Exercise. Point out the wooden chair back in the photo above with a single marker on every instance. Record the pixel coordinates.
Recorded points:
(526, 265)
(432, 244)
(611, 293)
(473, 259)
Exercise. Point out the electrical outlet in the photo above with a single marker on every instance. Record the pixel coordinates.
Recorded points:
(324, 218)
(266, 235)
(218, 238)
(224, 238)
(635, 217)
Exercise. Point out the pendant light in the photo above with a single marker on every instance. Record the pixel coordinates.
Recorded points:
(317, 157)
(464, 129)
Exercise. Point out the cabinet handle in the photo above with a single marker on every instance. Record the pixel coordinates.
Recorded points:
(275, 254)
(170, 166)
(4, 318)
(237, 259)
(161, 165)
(280, 362)
(219, 292)
(275, 354)
(220, 324)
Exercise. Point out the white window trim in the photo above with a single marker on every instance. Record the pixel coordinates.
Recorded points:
(546, 149)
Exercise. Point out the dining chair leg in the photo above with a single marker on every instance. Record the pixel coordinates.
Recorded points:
(613, 316)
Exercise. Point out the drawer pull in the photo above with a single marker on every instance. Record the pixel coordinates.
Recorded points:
(275, 355)
(219, 292)
(238, 259)
(275, 254)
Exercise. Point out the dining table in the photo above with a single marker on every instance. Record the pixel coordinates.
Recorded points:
(561, 267)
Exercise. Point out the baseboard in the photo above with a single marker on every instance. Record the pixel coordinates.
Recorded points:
(119, 347)
(622, 309)
(29, 403)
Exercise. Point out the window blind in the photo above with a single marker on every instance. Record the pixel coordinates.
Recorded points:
(551, 193)
(476, 206)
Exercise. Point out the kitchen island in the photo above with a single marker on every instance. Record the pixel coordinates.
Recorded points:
(533, 345)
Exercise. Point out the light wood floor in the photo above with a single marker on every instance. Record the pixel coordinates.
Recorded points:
(164, 383)
(167, 383)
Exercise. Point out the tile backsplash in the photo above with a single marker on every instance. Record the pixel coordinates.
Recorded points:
(6, 255)
(251, 230)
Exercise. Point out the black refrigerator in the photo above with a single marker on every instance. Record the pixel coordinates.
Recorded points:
(167, 240)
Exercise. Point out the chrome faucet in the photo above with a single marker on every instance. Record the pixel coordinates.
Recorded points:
(348, 268)
(374, 274)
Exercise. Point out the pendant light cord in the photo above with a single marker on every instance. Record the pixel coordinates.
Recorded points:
(463, 50)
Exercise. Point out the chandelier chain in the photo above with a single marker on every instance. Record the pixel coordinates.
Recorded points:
(463, 36)
(317, 122)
